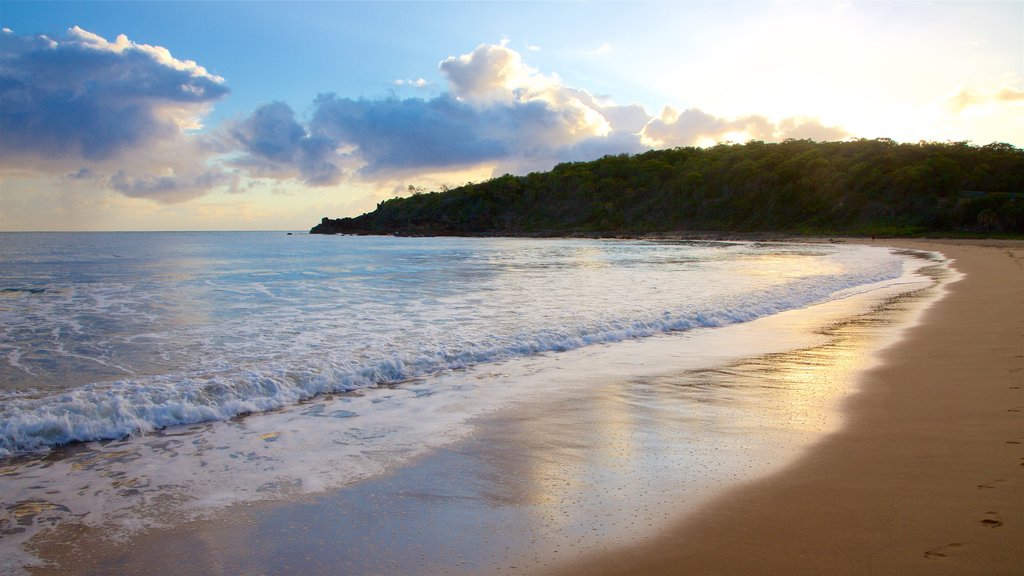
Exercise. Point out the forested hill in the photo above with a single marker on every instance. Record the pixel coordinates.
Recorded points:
(797, 186)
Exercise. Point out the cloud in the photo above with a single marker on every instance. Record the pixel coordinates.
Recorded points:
(1010, 95)
(417, 83)
(84, 97)
(82, 174)
(491, 73)
(278, 146)
(498, 112)
(124, 116)
(169, 188)
(629, 119)
(696, 127)
(117, 113)
(967, 98)
(395, 135)
(808, 129)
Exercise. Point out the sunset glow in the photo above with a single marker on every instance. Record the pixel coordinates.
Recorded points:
(168, 115)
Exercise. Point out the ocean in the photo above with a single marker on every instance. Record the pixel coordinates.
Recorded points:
(145, 376)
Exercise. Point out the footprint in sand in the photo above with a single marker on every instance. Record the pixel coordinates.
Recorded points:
(942, 551)
(991, 520)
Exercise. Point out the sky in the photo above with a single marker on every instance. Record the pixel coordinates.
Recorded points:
(271, 115)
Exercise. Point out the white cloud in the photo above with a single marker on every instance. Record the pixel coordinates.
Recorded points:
(491, 73)
(694, 127)
(417, 83)
(158, 54)
(497, 76)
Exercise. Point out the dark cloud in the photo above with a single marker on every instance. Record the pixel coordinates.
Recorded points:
(398, 135)
(394, 136)
(84, 97)
(169, 189)
(383, 136)
(82, 174)
(115, 113)
(278, 144)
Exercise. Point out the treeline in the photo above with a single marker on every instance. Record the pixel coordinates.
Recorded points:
(797, 186)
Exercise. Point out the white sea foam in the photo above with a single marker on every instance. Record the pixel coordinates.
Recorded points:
(258, 381)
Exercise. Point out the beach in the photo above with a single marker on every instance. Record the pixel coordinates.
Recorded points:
(925, 477)
(880, 442)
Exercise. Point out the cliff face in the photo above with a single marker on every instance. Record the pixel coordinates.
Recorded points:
(797, 186)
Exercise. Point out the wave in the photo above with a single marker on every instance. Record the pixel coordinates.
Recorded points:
(139, 405)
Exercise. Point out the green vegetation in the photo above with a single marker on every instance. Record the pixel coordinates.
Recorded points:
(797, 187)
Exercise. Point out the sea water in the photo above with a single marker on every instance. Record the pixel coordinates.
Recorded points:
(128, 360)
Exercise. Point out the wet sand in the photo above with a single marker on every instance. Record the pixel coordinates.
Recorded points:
(926, 477)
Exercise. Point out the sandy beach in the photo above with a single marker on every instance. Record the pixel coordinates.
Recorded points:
(819, 466)
(927, 475)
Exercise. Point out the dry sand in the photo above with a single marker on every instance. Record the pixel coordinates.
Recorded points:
(927, 475)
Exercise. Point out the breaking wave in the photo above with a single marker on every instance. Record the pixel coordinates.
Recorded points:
(136, 405)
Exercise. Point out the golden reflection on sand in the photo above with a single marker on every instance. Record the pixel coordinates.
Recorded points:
(613, 448)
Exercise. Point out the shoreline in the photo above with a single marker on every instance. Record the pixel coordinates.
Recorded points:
(484, 506)
(926, 476)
